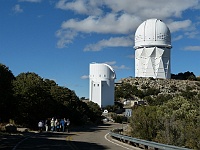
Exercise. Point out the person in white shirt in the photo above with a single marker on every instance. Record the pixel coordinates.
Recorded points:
(40, 126)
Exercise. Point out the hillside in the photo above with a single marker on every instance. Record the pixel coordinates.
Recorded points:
(172, 113)
(162, 86)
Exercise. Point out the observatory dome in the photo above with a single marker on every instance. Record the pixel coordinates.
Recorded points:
(152, 32)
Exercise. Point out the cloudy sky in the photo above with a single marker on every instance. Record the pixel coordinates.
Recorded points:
(58, 39)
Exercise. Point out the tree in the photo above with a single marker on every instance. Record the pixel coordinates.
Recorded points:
(184, 76)
(33, 99)
(151, 91)
(198, 78)
(28, 98)
(144, 122)
(7, 101)
(174, 121)
(159, 100)
(95, 112)
(127, 91)
(180, 118)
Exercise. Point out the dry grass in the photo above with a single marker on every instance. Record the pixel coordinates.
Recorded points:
(2, 127)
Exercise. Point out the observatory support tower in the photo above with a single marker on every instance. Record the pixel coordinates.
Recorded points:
(101, 84)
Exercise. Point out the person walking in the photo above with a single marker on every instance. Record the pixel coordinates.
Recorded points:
(47, 124)
(57, 123)
(67, 125)
(62, 124)
(40, 126)
(52, 124)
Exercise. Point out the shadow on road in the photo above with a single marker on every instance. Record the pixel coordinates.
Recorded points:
(8, 141)
(50, 140)
(91, 128)
(46, 140)
(56, 144)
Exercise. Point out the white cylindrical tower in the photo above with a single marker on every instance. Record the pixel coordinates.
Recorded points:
(152, 50)
(102, 78)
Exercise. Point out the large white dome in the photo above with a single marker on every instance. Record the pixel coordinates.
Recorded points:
(152, 32)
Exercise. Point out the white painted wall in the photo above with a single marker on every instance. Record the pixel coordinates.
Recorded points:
(101, 84)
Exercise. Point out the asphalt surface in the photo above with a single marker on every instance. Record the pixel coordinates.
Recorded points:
(85, 138)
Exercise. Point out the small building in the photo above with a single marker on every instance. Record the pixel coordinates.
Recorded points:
(128, 112)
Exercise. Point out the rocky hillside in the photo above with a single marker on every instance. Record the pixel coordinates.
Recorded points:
(165, 86)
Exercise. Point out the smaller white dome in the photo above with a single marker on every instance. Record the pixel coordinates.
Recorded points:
(152, 32)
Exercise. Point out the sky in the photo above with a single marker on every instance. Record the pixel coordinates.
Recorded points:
(58, 39)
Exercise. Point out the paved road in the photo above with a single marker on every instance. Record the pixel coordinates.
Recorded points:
(93, 138)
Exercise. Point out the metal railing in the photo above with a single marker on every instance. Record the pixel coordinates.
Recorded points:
(143, 143)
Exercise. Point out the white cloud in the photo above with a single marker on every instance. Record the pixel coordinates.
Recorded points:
(177, 38)
(114, 66)
(192, 48)
(179, 25)
(121, 17)
(192, 34)
(112, 42)
(111, 23)
(110, 63)
(89, 7)
(17, 9)
(65, 37)
(143, 8)
(84, 77)
(32, 1)
(146, 9)
(131, 56)
(120, 67)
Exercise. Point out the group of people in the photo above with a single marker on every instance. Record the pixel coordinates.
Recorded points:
(54, 125)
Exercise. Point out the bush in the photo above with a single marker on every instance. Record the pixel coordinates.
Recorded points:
(118, 118)
(11, 128)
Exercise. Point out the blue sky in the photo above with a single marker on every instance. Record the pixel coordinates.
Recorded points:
(58, 39)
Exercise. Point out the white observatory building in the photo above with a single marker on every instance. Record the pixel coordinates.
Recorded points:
(101, 84)
(152, 50)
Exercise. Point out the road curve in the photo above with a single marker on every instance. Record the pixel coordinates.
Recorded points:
(88, 138)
